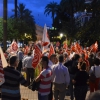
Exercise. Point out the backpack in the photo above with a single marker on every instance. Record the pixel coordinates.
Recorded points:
(92, 76)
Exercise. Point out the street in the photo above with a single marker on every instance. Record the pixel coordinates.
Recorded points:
(27, 94)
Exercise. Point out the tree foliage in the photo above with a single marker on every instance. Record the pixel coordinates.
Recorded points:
(66, 23)
(18, 27)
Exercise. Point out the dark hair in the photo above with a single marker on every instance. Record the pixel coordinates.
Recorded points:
(76, 56)
(53, 55)
(29, 53)
(96, 61)
(61, 58)
(83, 65)
(91, 55)
(12, 60)
(65, 54)
(45, 58)
(94, 96)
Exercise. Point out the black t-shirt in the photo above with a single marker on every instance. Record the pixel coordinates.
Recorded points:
(72, 66)
(81, 78)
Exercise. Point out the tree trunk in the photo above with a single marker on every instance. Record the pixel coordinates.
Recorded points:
(15, 8)
(4, 24)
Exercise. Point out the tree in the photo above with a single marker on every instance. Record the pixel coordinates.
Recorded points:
(52, 8)
(15, 8)
(89, 33)
(4, 24)
(25, 22)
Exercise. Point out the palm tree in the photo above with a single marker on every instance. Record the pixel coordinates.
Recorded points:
(21, 10)
(51, 8)
(4, 24)
(25, 17)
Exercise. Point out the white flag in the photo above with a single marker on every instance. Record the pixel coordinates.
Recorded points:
(45, 40)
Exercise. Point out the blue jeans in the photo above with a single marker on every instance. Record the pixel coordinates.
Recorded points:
(42, 97)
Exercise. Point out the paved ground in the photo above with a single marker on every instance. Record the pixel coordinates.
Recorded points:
(30, 95)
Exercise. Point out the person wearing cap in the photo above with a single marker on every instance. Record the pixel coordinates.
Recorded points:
(10, 90)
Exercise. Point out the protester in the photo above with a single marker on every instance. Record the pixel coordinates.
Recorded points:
(60, 79)
(20, 57)
(91, 59)
(94, 86)
(81, 81)
(73, 69)
(45, 77)
(66, 58)
(52, 61)
(27, 66)
(83, 58)
(10, 90)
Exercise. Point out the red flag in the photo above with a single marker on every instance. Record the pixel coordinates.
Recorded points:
(3, 63)
(65, 46)
(57, 44)
(26, 50)
(73, 48)
(14, 47)
(37, 56)
(94, 47)
(51, 51)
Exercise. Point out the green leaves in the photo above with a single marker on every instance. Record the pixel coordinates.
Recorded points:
(23, 24)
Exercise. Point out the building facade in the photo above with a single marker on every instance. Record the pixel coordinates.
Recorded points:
(82, 18)
(39, 32)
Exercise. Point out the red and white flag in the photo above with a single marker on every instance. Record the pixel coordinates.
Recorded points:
(3, 63)
(57, 44)
(14, 46)
(65, 46)
(26, 50)
(37, 56)
(45, 40)
(52, 51)
(94, 47)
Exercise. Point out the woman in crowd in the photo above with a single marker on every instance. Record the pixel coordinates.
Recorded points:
(81, 82)
(94, 86)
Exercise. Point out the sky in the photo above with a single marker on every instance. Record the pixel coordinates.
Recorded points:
(36, 6)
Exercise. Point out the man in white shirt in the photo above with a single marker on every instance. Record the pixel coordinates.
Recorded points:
(52, 60)
(27, 64)
(61, 79)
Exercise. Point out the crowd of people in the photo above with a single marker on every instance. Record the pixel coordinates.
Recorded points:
(61, 71)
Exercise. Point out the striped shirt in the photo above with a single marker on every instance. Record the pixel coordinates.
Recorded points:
(45, 85)
(10, 90)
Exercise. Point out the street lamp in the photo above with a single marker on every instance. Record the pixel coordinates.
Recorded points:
(61, 35)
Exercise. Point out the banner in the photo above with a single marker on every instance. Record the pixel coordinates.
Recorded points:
(37, 56)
